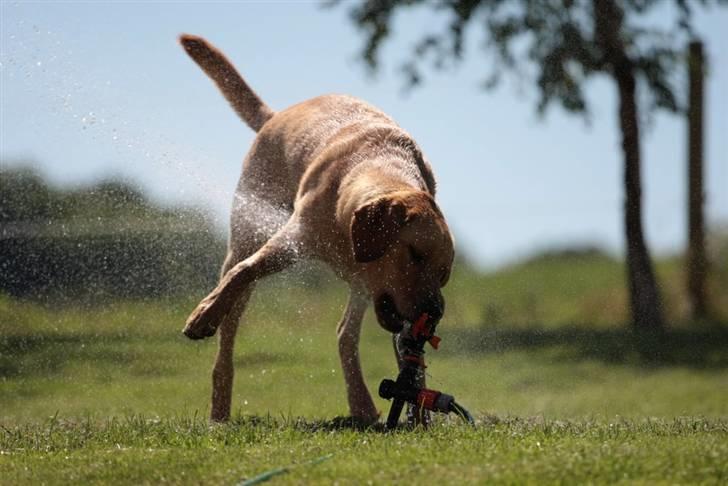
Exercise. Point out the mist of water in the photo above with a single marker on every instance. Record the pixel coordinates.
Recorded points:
(78, 98)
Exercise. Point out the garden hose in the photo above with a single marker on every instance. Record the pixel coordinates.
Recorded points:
(458, 409)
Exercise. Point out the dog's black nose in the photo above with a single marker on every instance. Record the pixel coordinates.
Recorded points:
(434, 307)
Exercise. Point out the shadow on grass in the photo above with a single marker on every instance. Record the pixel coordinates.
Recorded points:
(48, 352)
(338, 423)
(706, 349)
(241, 420)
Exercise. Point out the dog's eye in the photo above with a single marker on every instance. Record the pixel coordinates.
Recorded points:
(415, 255)
(444, 277)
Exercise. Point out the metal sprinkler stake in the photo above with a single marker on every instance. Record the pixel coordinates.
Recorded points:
(411, 344)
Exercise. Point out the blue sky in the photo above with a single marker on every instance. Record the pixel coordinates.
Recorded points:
(93, 89)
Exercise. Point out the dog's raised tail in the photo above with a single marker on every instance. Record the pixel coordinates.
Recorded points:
(242, 98)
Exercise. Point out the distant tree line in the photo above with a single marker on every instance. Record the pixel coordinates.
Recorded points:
(99, 242)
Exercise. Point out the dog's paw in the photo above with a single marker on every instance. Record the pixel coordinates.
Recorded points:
(203, 321)
(365, 415)
(196, 334)
(365, 421)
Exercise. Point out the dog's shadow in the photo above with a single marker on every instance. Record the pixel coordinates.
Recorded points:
(341, 423)
(336, 424)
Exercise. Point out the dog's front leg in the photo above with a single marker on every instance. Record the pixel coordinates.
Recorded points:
(278, 253)
(361, 405)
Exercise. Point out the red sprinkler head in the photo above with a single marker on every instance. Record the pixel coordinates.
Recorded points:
(405, 388)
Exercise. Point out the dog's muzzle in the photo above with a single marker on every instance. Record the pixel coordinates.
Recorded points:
(387, 314)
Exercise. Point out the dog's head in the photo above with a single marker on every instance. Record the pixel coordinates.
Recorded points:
(406, 252)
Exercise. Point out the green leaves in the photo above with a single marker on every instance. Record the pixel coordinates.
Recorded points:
(553, 41)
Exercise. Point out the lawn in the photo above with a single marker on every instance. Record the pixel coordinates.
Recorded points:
(539, 352)
(186, 450)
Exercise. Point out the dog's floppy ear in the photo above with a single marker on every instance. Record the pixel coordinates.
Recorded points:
(375, 226)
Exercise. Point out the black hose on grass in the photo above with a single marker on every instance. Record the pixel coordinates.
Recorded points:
(458, 409)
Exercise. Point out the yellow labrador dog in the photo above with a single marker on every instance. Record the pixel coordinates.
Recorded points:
(356, 193)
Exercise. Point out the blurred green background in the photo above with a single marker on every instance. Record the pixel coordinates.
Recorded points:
(93, 302)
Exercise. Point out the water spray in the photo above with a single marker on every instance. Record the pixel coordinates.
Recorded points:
(410, 345)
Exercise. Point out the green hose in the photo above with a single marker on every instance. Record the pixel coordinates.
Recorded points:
(261, 478)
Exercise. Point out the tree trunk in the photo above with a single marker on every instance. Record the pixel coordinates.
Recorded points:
(645, 302)
(697, 266)
(644, 296)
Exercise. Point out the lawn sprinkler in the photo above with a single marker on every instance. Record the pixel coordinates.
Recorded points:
(410, 347)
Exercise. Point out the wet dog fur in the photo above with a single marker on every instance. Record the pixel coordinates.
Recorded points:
(356, 193)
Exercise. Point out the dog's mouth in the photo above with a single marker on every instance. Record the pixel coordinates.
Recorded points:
(387, 314)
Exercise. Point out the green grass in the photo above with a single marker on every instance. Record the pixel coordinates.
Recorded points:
(184, 450)
(539, 353)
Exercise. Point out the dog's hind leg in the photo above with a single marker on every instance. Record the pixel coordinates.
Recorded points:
(361, 405)
(276, 254)
(223, 371)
